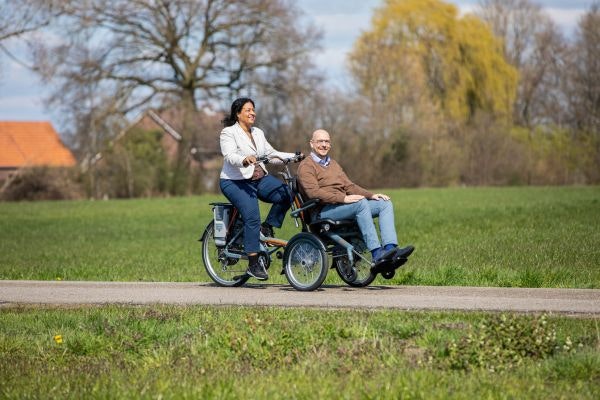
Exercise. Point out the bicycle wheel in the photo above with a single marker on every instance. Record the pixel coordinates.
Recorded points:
(305, 262)
(362, 268)
(222, 270)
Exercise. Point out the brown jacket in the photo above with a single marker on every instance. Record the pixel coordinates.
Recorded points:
(330, 184)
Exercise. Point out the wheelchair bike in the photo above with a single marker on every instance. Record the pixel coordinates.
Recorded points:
(306, 256)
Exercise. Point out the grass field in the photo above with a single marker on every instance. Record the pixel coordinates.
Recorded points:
(527, 237)
(521, 237)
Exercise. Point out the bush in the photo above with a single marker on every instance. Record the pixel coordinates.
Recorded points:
(504, 342)
(42, 183)
(135, 166)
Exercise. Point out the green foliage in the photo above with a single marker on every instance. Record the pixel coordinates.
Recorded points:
(136, 165)
(554, 155)
(457, 61)
(505, 342)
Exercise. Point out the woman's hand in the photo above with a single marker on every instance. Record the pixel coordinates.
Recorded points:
(249, 161)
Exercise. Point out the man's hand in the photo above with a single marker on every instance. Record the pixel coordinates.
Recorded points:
(380, 196)
(353, 198)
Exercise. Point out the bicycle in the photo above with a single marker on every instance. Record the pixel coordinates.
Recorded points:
(305, 256)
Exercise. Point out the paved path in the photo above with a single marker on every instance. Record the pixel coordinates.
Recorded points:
(568, 301)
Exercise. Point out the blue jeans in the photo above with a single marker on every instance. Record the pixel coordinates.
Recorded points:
(363, 212)
(244, 195)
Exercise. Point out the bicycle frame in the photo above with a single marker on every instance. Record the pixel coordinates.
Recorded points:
(267, 245)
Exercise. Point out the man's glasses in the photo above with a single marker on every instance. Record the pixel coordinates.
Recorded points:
(322, 141)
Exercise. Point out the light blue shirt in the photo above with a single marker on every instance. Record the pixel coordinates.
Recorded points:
(323, 161)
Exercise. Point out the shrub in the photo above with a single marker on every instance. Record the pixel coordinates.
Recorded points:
(135, 166)
(42, 183)
(504, 342)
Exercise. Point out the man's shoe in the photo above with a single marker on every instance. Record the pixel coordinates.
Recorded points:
(381, 254)
(267, 230)
(404, 252)
(257, 271)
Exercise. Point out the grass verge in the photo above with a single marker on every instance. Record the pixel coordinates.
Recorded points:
(237, 352)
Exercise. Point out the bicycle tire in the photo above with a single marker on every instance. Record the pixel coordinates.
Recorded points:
(219, 268)
(305, 262)
(364, 276)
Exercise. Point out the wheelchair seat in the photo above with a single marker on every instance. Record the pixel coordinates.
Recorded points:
(327, 224)
(316, 225)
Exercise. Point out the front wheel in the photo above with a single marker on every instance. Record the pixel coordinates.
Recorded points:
(305, 262)
(362, 270)
(223, 270)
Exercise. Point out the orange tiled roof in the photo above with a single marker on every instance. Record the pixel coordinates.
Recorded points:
(32, 143)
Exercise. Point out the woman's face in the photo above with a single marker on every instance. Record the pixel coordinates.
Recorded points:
(247, 115)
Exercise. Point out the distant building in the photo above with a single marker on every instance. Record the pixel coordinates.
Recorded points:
(31, 144)
(201, 149)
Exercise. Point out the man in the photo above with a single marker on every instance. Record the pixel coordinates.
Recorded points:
(322, 177)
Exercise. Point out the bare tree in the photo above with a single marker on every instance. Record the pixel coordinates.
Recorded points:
(585, 72)
(584, 87)
(535, 46)
(18, 19)
(187, 53)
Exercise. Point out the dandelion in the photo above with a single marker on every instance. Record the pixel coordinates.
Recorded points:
(58, 339)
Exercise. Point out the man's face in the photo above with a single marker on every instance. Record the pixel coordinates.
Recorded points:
(320, 143)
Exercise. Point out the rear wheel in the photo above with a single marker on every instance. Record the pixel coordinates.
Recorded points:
(223, 270)
(305, 262)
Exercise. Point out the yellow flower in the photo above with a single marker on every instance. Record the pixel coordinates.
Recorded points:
(58, 339)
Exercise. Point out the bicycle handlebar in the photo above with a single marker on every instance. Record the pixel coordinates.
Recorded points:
(267, 159)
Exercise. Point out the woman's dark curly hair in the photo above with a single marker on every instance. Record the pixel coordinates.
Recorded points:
(236, 108)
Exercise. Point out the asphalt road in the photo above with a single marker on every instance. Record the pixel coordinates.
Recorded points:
(565, 301)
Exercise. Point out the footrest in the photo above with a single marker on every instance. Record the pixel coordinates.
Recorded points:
(389, 265)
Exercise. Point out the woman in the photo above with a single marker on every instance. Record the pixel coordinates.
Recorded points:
(244, 181)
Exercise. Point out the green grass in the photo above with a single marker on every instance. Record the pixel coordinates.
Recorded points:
(278, 353)
(521, 237)
(534, 237)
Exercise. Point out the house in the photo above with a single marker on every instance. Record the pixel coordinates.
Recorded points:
(201, 149)
(168, 122)
(31, 144)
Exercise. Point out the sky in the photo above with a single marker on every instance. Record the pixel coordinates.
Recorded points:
(342, 21)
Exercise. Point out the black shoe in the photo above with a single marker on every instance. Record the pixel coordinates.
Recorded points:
(257, 271)
(404, 252)
(267, 230)
(382, 255)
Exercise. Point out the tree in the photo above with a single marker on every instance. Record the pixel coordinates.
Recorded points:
(534, 45)
(427, 74)
(584, 87)
(417, 47)
(185, 53)
(20, 18)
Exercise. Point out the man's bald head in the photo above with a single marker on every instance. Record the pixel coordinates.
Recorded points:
(320, 134)
(320, 142)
